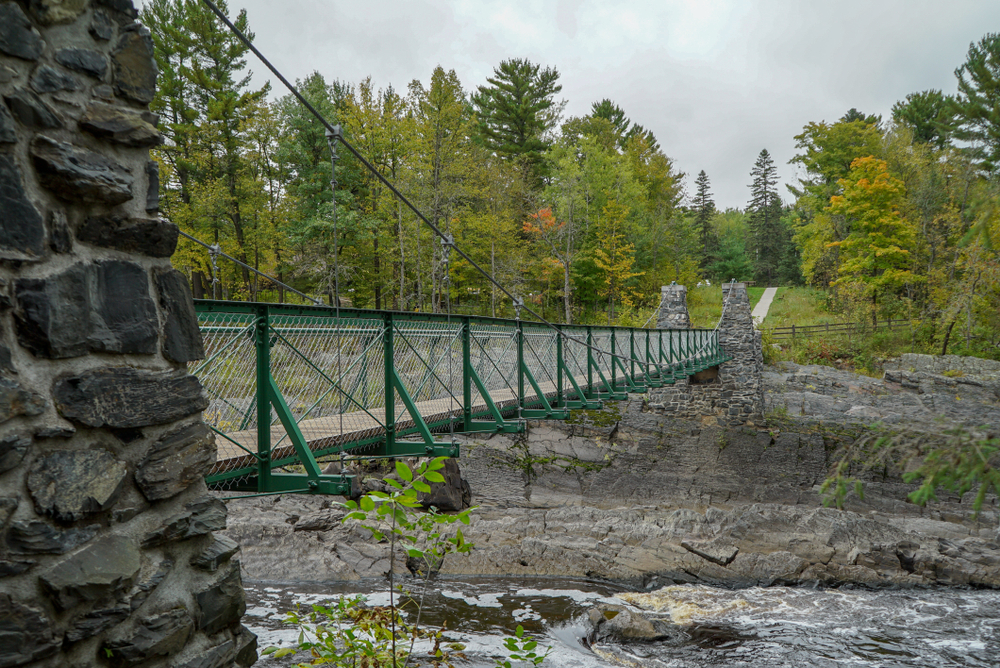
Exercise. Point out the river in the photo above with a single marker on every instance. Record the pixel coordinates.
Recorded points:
(772, 626)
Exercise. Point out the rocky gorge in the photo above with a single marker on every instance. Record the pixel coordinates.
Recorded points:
(635, 495)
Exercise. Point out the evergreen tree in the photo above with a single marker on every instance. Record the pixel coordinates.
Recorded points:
(977, 105)
(764, 218)
(517, 110)
(208, 104)
(853, 115)
(623, 126)
(929, 113)
(704, 209)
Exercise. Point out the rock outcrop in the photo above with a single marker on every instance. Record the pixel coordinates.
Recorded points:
(632, 495)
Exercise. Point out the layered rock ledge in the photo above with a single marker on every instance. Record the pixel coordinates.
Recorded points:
(636, 496)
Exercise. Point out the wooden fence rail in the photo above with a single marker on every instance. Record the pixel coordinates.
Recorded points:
(832, 329)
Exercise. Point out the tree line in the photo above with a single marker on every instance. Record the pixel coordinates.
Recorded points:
(585, 217)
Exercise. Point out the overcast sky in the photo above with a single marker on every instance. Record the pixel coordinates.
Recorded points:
(715, 81)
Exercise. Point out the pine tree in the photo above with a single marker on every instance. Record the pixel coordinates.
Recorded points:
(704, 208)
(517, 110)
(764, 215)
(977, 104)
(930, 114)
(623, 126)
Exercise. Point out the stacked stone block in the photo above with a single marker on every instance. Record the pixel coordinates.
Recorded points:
(673, 308)
(107, 551)
(736, 395)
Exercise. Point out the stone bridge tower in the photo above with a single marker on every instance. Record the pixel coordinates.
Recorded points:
(731, 394)
(107, 552)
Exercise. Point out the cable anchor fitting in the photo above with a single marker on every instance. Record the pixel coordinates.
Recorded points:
(331, 140)
(518, 305)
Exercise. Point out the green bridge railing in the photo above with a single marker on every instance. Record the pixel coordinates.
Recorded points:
(376, 384)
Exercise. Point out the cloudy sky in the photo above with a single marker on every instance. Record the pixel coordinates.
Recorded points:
(715, 81)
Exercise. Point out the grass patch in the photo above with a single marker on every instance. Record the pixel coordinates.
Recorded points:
(800, 306)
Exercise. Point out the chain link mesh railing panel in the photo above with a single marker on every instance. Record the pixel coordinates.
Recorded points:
(228, 374)
(331, 373)
(493, 355)
(427, 357)
(540, 359)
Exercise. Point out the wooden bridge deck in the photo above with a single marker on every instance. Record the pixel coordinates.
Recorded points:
(332, 431)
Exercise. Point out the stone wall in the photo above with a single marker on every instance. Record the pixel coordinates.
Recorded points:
(736, 395)
(107, 552)
(673, 308)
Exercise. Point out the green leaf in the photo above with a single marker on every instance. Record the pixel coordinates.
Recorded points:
(404, 471)
(393, 483)
(367, 504)
(415, 553)
(433, 476)
(421, 487)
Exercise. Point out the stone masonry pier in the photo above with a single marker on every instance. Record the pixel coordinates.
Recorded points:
(733, 394)
(108, 550)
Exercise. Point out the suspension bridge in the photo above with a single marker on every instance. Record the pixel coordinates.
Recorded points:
(290, 384)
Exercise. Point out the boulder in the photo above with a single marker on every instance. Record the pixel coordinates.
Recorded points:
(182, 340)
(223, 603)
(69, 485)
(77, 174)
(126, 398)
(16, 400)
(217, 553)
(12, 448)
(154, 237)
(96, 621)
(618, 624)
(101, 28)
(452, 494)
(246, 648)
(152, 186)
(99, 307)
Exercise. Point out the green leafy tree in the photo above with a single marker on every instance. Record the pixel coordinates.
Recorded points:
(875, 256)
(615, 257)
(977, 104)
(826, 152)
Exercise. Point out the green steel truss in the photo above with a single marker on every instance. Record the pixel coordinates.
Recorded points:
(360, 384)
